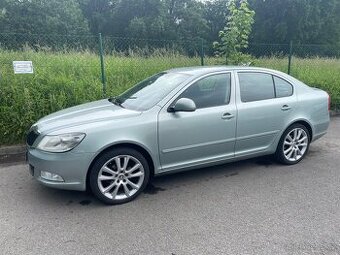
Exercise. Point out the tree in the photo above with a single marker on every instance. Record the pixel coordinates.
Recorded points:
(215, 14)
(42, 16)
(98, 14)
(303, 21)
(130, 15)
(234, 37)
(137, 28)
(190, 22)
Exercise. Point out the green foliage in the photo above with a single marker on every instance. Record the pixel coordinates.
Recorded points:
(137, 27)
(98, 14)
(303, 21)
(61, 80)
(323, 73)
(66, 78)
(240, 58)
(42, 16)
(215, 13)
(234, 37)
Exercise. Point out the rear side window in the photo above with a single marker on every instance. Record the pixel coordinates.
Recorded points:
(282, 88)
(256, 86)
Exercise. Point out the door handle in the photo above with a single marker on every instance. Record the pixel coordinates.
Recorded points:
(285, 107)
(227, 116)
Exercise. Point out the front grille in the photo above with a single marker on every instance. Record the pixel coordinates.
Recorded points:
(31, 137)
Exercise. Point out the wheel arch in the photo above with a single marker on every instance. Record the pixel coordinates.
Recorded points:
(130, 145)
(279, 148)
(305, 123)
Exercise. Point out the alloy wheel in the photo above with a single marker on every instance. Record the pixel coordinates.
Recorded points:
(121, 177)
(295, 144)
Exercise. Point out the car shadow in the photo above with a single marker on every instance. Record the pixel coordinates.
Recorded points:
(53, 197)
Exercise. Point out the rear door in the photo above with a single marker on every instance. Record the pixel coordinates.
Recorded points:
(265, 104)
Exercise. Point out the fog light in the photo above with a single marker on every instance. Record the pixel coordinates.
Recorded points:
(51, 177)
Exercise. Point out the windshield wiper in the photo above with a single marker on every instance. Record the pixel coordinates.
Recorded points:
(116, 101)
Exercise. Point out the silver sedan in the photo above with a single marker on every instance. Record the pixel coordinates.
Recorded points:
(176, 120)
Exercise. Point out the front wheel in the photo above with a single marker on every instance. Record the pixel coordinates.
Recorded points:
(119, 175)
(294, 145)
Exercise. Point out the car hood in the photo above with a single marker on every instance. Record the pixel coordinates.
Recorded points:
(102, 110)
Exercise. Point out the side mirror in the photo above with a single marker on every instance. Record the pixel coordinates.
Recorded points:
(183, 105)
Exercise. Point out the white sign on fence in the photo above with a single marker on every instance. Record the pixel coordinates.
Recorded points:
(22, 67)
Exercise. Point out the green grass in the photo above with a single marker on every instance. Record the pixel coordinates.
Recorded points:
(62, 80)
(322, 73)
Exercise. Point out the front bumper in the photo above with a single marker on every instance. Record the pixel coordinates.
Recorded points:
(72, 167)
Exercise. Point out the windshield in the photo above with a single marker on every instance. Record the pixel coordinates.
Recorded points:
(149, 92)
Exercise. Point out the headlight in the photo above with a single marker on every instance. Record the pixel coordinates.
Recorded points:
(60, 143)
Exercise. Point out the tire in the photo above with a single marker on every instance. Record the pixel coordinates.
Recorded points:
(119, 176)
(293, 145)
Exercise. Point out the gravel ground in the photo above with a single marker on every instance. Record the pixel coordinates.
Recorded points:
(251, 207)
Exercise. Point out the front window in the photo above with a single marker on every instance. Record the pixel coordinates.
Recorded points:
(210, 91)
(149, 92)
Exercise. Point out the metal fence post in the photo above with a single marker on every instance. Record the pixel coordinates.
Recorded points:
(290, 56)
(202, 52)
(102, 68)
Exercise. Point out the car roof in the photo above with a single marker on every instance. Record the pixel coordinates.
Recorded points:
(202, 70)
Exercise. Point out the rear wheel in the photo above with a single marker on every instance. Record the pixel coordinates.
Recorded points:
(119, 176)
(294, 145)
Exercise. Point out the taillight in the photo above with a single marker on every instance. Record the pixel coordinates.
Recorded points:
(329, 102)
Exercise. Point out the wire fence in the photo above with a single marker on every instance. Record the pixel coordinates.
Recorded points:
(73, 69)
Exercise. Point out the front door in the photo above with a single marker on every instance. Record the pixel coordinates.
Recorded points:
(208, 134)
